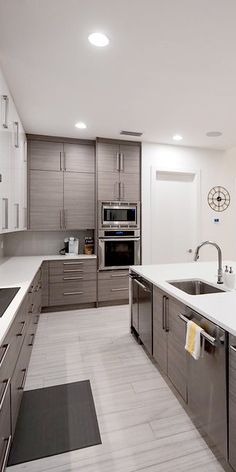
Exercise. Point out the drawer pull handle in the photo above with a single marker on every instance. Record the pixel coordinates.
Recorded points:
(73, 270)
(5, 347)
(72, 263)
(119, 275)
(119, 289)
(207, 336)
(233, 348)
(73, 293)
(36, 319)
(22, 329)
(73, 278)
(7, 383)
(4, 462)
(32, 340)
(32, 308)
(21, 387)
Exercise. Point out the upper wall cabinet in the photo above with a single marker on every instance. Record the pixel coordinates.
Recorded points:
(13, 166)
(61, 185)
(118, 166)
(45, 155)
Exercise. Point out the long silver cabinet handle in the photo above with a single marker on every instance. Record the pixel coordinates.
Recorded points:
(167, 315)
(118, 161)
(6, 348)
(5, 106)
(72, 270)
(73, 278)
(72, 263)
(121, 162)
(7, 384)
(17, 206)
(16, 124)
(120, 275)
(119, 289)
(22, 329)
(5, 201)
(233, 348)
(4, 462)
(32, 340)
(163, 312)
(203, 333)
(60, 160)
(21, 387)
(73, 293)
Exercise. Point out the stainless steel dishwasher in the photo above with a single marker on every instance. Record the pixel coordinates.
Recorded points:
(141, 309)
(207, 381)
(232, 401)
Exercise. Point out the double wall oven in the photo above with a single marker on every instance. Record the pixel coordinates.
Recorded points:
(119, 235)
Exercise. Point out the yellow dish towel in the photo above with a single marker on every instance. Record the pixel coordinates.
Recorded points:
(193, 339)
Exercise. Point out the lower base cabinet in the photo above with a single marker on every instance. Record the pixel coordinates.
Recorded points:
(232, 401)
(113, 285)
(15, 352)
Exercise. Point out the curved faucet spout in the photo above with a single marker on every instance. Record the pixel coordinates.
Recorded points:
(220, 265)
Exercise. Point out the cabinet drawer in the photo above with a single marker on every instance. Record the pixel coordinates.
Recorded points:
(113, 275)
(72, 293)
(5, 427)
(72, 276)
(72, 267)
(113, 289)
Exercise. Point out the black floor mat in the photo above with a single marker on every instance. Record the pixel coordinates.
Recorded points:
(54, 420)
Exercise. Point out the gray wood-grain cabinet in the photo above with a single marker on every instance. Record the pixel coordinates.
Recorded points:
(15, 353)
(61, 185)
(72, 282)
(113, 285)
(118, 176)
(169, 334)
(79, 200)
(45, 200)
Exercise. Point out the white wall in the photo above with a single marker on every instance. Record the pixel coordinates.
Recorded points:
(216, 168)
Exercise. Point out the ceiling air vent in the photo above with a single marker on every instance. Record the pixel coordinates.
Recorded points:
(131, 133)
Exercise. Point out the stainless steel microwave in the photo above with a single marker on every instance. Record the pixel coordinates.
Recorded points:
(119, 215)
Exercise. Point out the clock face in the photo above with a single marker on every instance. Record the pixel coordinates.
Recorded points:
(218, 198)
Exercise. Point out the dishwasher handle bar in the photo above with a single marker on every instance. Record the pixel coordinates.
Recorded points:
(207, 336)
(146, 289)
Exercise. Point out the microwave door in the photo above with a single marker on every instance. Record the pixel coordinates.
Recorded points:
(119, 215)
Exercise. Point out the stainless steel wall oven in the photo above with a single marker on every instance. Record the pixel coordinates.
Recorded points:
(118, 249)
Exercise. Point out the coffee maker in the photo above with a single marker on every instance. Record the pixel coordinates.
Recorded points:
(71, 246)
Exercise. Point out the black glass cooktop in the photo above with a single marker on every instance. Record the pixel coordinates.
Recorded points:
(6, 296)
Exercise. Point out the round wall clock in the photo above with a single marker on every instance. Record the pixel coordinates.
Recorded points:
(218, 198)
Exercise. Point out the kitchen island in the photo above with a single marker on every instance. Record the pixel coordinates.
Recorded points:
(159, 316)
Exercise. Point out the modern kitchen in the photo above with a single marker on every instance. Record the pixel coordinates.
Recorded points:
(117, 236)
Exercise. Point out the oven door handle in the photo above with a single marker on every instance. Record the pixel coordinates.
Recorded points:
(125, 238)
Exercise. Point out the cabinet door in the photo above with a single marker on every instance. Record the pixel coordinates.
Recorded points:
(108, 157)
(46, 200)
(108, 186)
(5, 427)
(177, 357)
(130, 158)
(159, 333)
(79, 200)
(45, 155)
(79, 158)
(130, 187)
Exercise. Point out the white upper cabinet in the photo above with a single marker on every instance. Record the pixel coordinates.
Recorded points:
(13, 165)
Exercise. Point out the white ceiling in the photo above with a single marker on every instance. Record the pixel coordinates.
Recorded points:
(170, 67)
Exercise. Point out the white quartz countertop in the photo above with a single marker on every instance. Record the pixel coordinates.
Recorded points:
(217, 307)
(19, 272)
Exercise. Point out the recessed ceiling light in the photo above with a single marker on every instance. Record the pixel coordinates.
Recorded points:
(214, 134)
(80, 125)
(98, 39)
(177, 137)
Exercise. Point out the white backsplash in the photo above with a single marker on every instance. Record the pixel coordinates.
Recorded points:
(35, 243)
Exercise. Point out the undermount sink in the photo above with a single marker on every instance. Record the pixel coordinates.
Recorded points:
(6, 297)
(195, 287)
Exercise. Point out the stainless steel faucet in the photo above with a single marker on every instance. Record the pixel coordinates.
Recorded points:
(220, 267)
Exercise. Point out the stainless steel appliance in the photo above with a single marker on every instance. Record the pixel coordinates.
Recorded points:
(207, 381)
(119, 215)
(118, 249)
(141, 309)
(232, 401)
